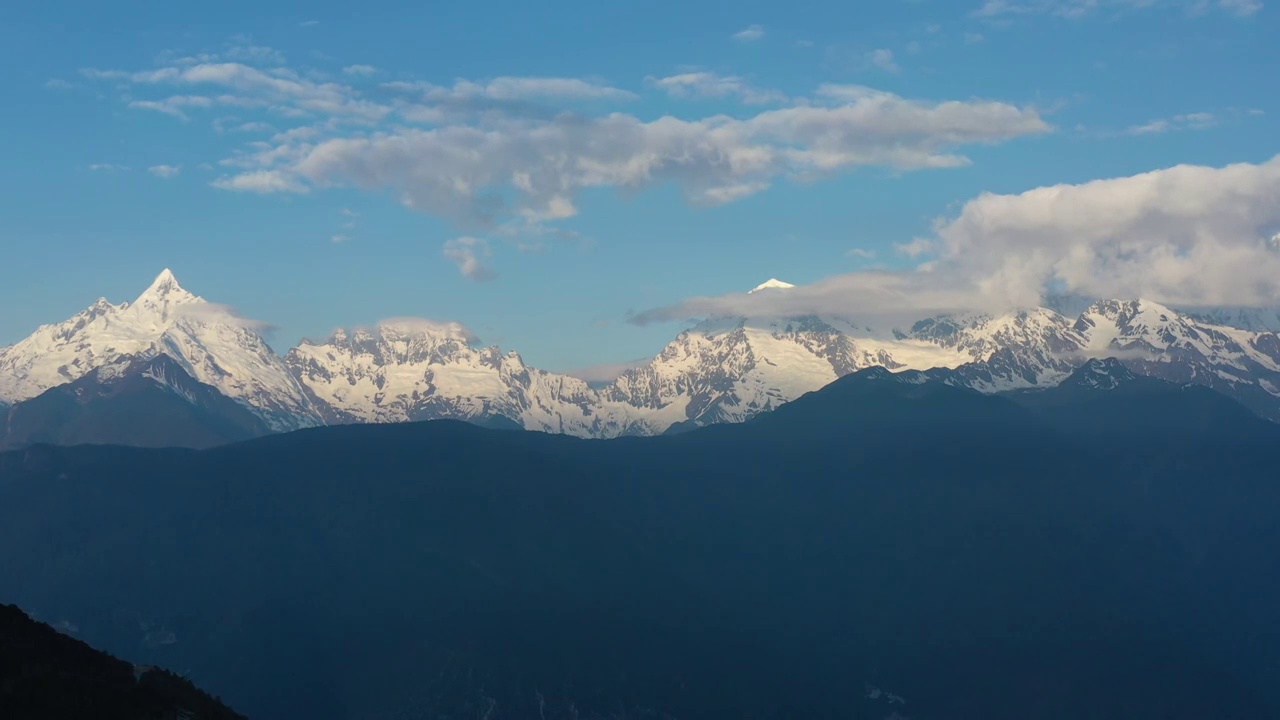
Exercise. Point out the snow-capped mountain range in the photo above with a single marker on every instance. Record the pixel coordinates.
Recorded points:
(722, 370)
(207, 340)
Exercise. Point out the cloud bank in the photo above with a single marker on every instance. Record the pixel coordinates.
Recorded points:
(1188, 235)
(521, 151)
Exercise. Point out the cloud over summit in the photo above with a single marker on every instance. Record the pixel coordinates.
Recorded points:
(1187, 235)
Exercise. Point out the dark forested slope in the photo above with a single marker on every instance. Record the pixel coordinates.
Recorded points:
(889, 544)
(46, 675)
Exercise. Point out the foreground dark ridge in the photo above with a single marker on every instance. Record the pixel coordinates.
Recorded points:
(46, 675)
(1106, 549)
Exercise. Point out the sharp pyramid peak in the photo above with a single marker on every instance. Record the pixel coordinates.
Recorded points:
(165, 289)
(166, 280)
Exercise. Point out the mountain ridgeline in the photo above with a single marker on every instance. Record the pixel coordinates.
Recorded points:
(167, 368)
(893, 545)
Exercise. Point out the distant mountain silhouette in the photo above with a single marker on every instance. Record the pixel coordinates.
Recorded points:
(1106, 396)
(45, 675)
(889, 538)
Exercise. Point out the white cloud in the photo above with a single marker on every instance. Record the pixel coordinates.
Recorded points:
(470, 255)
(751, 33)
(217, 312)
(519, 88)
(175, 105)
(1076, 9)
(58, 84)
(417, 325)
(352, 220)
(711, 85)
(883, 59)
(339, 238)
(862, 253)
(309, 23)
(107, 167)
(1187, 235)
(254, 127)
(242, 50)
(1242, 8)
(165, 171)
(883, 296)
(1191, 121)
(359, 70)
(459, 171)
(497, 154)
(280, 89)
(915, 247)
(260, 181)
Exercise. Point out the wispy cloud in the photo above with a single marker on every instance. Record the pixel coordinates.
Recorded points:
(514, 88)
(359, 70)
(176, 105)
(711, 85)
(1243, 8)
(254, 127)
(217, 312)
(502, 154)
(915, 247)
(165, 171)
(1077, 9)
(107, 167)
(281, 90)
(348, 224)
(883, 59)
(471, 255)
(1190, 121)
(241, 49)
(751, 33)
(260, 181)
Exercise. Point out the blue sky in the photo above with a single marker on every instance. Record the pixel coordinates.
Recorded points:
(544, 172)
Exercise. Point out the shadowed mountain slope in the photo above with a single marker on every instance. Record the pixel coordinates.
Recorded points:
(970, 554)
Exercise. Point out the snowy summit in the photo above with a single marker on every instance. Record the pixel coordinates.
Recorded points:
(208, 341)
(771, 284)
